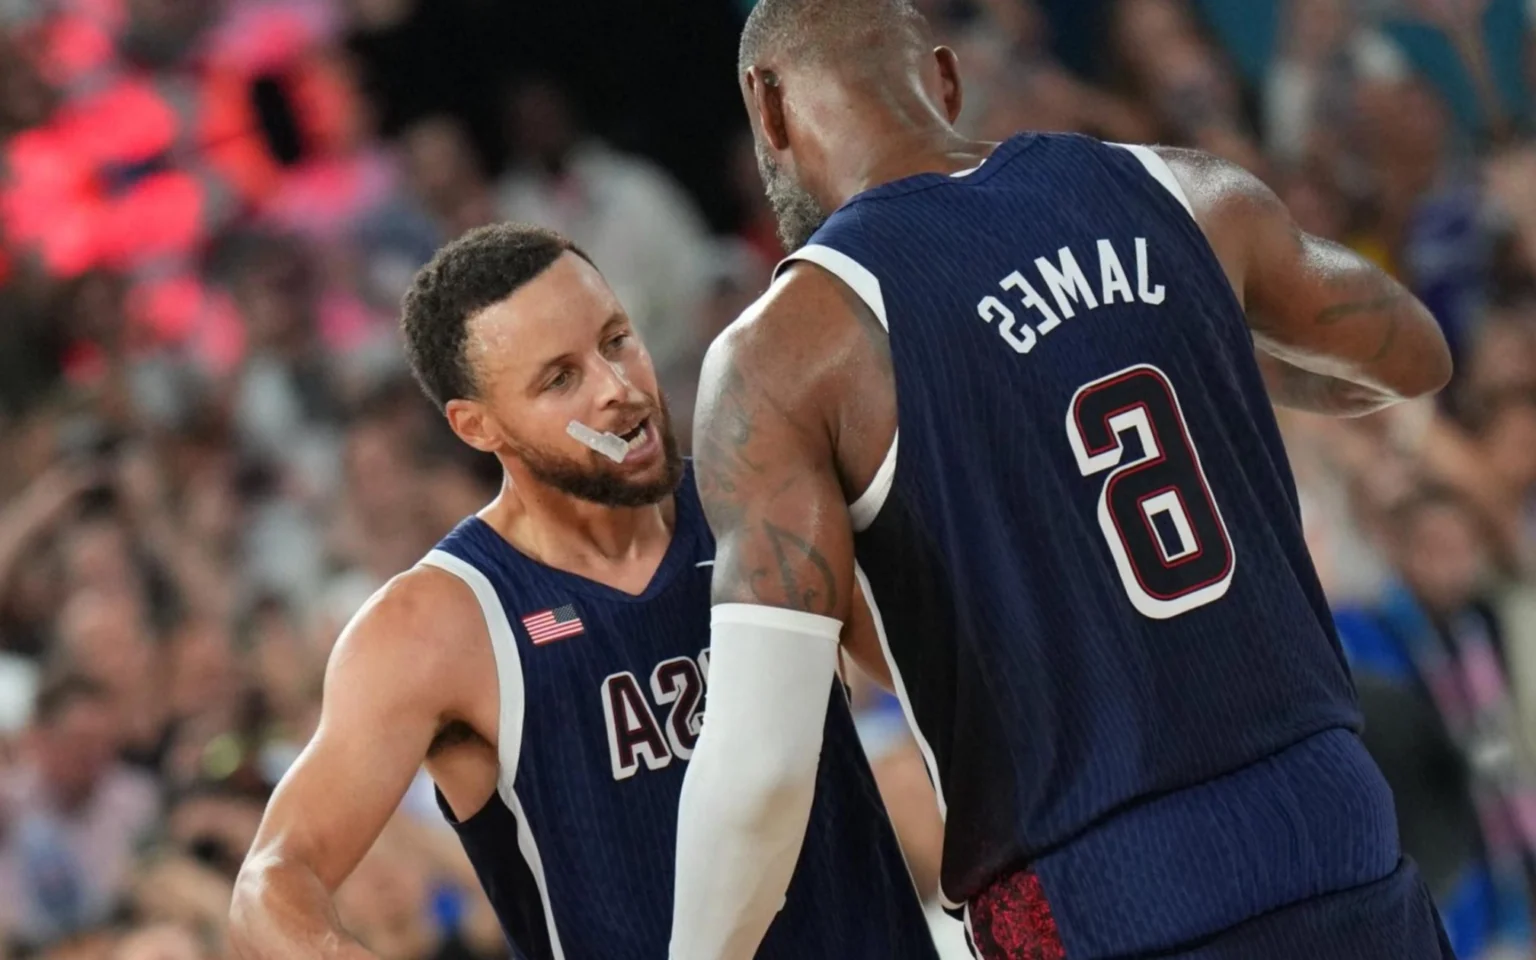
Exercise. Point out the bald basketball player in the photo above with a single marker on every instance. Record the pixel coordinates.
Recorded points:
(1011, 391)
(548, 661)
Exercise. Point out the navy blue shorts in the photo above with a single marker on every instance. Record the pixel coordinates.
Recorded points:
(1390, 919)
(1206, 871)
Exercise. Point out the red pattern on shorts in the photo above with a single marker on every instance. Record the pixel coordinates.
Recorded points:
(1011, 920)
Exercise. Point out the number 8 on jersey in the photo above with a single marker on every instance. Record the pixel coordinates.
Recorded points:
(1157, 513)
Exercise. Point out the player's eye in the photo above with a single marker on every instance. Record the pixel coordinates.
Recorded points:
(559, 381)
(617, 343)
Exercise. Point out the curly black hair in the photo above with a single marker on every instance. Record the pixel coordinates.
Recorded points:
(483, 267)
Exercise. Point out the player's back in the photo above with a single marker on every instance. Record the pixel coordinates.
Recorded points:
(1088, 559)
(602, 696)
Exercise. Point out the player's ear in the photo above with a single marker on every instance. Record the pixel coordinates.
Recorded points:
(951, 90)
(472, 423)
(767, 98)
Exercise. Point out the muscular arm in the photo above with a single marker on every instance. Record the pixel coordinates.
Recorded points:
(383, 701)
(1337, 335)
(767, 477)
(764, 450)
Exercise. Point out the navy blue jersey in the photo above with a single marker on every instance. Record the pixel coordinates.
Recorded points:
(1085, 546)
(602, 696)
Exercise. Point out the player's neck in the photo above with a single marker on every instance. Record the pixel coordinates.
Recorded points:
(907, 153)
(568, 533)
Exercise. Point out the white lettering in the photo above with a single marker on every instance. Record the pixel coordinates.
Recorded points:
(633, 733)
(991, 308)
(677, 682)
(1066, 284)
(1143, 281)
(1032, 298)
(1112, 275)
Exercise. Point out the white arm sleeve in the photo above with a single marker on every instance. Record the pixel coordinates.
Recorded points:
(748, 791)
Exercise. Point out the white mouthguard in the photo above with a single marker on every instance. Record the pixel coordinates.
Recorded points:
(613, 447)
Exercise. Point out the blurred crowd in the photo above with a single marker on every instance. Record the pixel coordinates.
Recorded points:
(210, 453)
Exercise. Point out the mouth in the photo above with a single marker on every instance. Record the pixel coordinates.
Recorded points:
(630, 436)
(638, 437)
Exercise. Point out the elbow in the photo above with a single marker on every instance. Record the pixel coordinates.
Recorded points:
(250, 902)
(245, 900)
(1439, 371)
(1429, 375)
(1433, 367)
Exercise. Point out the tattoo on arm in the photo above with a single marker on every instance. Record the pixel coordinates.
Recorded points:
(765, 516)
(722, 458)
(812, 589)
(1383, 306)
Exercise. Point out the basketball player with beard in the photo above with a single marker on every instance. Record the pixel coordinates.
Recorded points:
(547, 662)
(1018, 396)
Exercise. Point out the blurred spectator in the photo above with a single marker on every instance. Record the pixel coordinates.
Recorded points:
(1440, 632)
(388, 903)
(630, 217)
(73, 816)
(1325, 51)
(445, 174)
(1014, 82)
(162, 942)
(1166, 63)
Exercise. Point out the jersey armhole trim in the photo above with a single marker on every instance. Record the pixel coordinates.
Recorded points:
(864, 284)
(902, 697)
(509, 664)
(1160, 171)
(846, 269)
(509, 675)
(864, 510)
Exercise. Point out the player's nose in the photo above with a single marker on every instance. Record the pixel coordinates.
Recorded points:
(615, 386)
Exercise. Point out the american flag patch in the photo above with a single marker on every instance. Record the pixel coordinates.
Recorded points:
(547, 626)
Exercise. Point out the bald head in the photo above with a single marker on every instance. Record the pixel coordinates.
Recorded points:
(813, 32)
(844, 95)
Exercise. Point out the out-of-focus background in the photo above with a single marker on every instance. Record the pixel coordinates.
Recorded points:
(210, 452)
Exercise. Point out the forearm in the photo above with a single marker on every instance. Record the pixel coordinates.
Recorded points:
(738, 839)
(751, 782)
(1323, 309)
(1297, 389)
(282, 911)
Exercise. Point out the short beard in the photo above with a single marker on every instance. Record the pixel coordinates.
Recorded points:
(798, 213)
(599, 483)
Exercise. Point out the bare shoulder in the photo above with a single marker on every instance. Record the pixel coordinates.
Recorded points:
(424, 624)
(805, 322)
(799, 365)
(778, 361)
(1235, 209)
(1208, 178)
